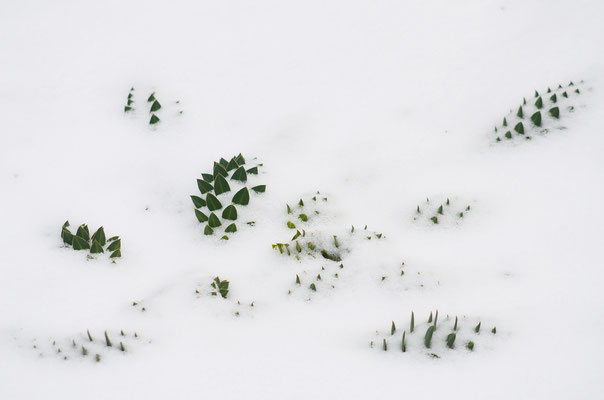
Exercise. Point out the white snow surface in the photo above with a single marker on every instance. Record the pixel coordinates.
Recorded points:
(377, 104)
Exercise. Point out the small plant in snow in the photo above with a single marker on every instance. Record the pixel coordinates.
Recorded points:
(445, 211)
(217, 207)
(95, 244)
(220, 287)
(433, 337)
(542, 113)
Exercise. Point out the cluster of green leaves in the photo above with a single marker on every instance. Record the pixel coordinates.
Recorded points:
(128, 107)
(95, 244)
(215, 186)
(436, 214)
(448, 335)
(221, 287)
(85, 345)
(534, 116)
(323, 278)
(154, 108)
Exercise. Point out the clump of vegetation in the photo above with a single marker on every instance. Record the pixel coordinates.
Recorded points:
(304, 220)
(441, 212)
(540, 115)
(95, 244)
(433, 336)
(155, 108)
(221, 287)
(93, 346)
(212, 208)
(129, 103)
(318, 280)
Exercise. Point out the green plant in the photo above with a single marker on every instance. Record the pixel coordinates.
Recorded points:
(95, 244)
(221, 287)
(558, 100)
(440, 214)
(216, 189)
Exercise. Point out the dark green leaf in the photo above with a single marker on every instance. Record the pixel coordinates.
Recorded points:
(201, 217)
(555, 112)
(231, 228)
(198, 201)
(151, 98)
(67, 236)
(213, 221)
(80, 244)
(127, 108)
(242, 197)
(520, 114)
(99, 236)
(259, 188)
(207, 177)
(116, 244)
(539, 103)
(519, 128)
(221, 185)
(115, 254)
(451, 340)
(536, 118)
(212, 202)
(239, 175)
(240, 160)
(208, 230)
(204, 186)
(232, 164)
(230, 212)
(428, 336)
(154, 119)
(96, 248)
(155, 106)
(83, 232)
(219, 170)
(253, 171)
(508, 135)
(554, 98)
(223, 162)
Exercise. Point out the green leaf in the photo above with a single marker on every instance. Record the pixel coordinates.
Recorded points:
(313, 287)
(301, 203)
(99, 236)
(239, 175)
(116, 254)
(554, 98)
(259, 188)
(253, 171)
(155, 106)
(204, 186)
(223, 162)
(428, 336)
(240, 160)
(329, 256)
(536, 118)
(224, 237)
(115, 245)
(451, 340)
(80, 244)
(198, 201)
(221, 185)
(296, 235)
(154, 119)
(520, 114)
(564, 94)
(96, 248)
(231, 228)
(555, 112)
(112, 238)
(412, 325)
(440, 210)
(289, 210)
(207, 177)
(303, 217)
(201, 217)
(213, 221)
(83, 232)
(505, 122)
(291, 225)
(404, 343)
(434, 219)
(67, 236)
(219, 170)
(519, 128)
(536, 94)
(212, 202)
(232, 164)
(392, 329)
(242, 197)
(127, 108)
(230, 212)
(151, 98)
(470, 345)
(539, 103)
(477, 327)
(208, 230)
(508, 135)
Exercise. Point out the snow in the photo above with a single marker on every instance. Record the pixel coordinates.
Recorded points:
(377, 105)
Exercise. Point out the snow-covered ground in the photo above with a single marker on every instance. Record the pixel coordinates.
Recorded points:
(377, 105)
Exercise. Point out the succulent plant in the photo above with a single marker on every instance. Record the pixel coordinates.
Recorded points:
(544, 114)
(217, 188)
(95, 244)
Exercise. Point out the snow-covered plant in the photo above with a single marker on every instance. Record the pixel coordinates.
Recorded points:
(216, 189)
(95, 244)
(128, 107)
(434, 336)
(541, 114)
(95, 347)
(306, 220)
(317, 280)
(220, 287)
(445, 211)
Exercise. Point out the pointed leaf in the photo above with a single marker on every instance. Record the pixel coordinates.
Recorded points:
(198, 201)
(232, 164)
(219, 170)
(428, 336)
(221, 185)
(151, 98)
(554, 98)
(259, 188)
(207, 177)
(208, 230)
(213, 221)
(96, 248)
(154, 119)
(99, 236)
(253, 171)
(520, 114)
(230, 212)
(519, 128)
(240, 160)
(116, 254)
(80, 244)
(155, 106)
(242, 197)
(536, 118)
(204, 187)
(239, 175)
(539, 103)
(212, 202)
(201, 217)
(231, 228)
(223, 162)
(555, 112)
(115, 245)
